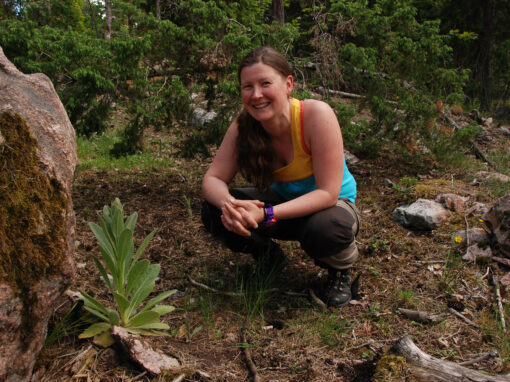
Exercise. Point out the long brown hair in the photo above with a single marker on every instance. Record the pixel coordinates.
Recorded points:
(255, 156)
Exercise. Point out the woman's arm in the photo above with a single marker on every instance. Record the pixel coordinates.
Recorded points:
(222, 170)
(215, 186)
(324, 139)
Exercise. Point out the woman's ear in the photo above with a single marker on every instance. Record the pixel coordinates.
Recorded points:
(290, 84)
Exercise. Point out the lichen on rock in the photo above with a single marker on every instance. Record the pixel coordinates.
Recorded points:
(32, 219)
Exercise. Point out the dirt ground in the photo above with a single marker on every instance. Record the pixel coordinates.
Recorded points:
(291, 339)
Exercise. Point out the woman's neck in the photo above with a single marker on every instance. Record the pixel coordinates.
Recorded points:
(279, 125)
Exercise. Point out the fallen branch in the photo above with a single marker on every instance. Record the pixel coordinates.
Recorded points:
(316, 300)
(462, 317)
(483, 357)
(501, 260)
(433, 369)
(479, 153)
(500, 303)
(424, 317)
(247, 355)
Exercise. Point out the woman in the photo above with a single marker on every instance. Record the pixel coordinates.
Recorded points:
(293, 153)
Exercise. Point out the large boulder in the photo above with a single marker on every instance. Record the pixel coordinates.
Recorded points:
(37, 162)
(498, 220)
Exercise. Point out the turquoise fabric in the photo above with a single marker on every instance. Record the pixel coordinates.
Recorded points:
(292, 190)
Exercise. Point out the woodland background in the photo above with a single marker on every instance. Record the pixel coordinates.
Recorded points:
(421, 90)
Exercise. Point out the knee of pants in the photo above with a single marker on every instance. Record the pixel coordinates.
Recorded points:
(341, 260)
(328, 232)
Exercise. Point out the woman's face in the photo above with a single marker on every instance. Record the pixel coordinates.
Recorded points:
(264, 91)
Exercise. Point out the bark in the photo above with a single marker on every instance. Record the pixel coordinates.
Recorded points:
(158, 9)
(431, 369)
(278, 12)
(108, 11)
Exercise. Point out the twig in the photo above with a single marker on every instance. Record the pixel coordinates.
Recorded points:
(467, 233)
(462, 317)
(480, 153)
(483, 357)
(500, 303)
(231, 294)
(247, 354)
(368, 343)
(316, 300)
(429, 262)
(203, 286)
(501, 260)
(424, 317)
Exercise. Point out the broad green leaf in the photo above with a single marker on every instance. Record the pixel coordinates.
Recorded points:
(109, 259)
(144, 318)
(145, 287)
(131, 222)
(124, 252)
(154, 325)
(92, 302)
(96, 313)
(103, 272)
(106, 225)
(117, 224)
(163, 309)
(144, 245)
(146, 332)
(94, 329)
(104, 339)
(113, 317)
(123, 305)
(103, 240)
(135, 274)
(160, 297)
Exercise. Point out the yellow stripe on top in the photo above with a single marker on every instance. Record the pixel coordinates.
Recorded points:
(301, 166)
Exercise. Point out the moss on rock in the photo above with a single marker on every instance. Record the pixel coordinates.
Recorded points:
(32, 214)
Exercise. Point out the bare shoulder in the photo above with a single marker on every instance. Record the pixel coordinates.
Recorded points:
(316, 111)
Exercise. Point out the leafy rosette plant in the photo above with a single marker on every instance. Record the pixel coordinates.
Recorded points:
(129, 279)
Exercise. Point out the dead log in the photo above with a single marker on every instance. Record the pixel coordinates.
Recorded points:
(429, 368)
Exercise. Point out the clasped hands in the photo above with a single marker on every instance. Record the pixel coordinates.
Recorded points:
(239, 216)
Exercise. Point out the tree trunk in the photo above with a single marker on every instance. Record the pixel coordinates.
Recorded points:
(158, 9)
(278, 13)
(108, 11)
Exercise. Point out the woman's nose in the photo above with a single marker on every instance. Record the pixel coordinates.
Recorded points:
(257, 92)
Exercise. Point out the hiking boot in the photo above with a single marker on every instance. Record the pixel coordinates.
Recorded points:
(273, 260)
(338, 288)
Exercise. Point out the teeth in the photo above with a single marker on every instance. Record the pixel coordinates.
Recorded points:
(260, 106)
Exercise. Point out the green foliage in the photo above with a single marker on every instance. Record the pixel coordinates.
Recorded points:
(129, 279)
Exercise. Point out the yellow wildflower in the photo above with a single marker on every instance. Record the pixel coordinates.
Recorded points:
(458, 239)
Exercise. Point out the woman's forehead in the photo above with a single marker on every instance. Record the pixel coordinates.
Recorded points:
(258, 70)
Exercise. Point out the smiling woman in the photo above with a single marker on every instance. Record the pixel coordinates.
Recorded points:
(292, 151)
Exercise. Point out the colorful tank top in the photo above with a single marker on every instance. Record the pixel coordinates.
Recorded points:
(296, 178)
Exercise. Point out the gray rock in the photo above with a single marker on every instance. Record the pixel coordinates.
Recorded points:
(350, 158)
(38, 145)
(475, 253)
(498, 220)
(200, 117)
(423, 214)
(477, 209)
(476, 235)
(486, 176)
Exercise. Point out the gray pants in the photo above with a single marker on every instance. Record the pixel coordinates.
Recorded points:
(327, 236)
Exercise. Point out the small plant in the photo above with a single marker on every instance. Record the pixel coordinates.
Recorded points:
(129, 279)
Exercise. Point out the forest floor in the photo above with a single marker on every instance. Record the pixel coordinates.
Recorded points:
(289, 337)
